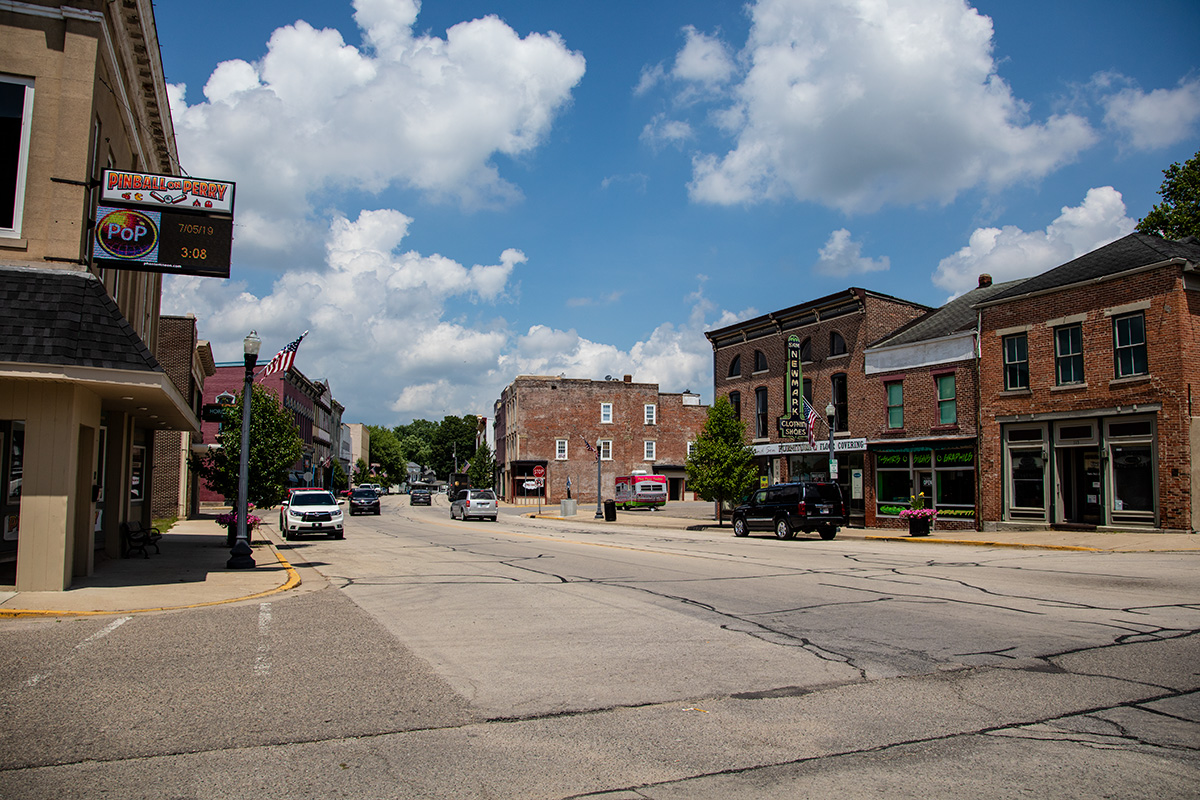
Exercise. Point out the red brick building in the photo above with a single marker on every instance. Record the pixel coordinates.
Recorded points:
(753, 367)
(1088, 384)
(543, 422)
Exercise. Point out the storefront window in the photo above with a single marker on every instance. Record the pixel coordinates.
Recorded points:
(16, 460)
(894, 482)
(1028, 479)
(955, 471)
(137, 475)
(1133, 478)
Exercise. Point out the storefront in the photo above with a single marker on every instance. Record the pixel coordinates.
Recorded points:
(943, 471)
(1087, 471)
(797, 461)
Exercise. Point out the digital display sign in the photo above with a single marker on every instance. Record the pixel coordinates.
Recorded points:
(162, 241)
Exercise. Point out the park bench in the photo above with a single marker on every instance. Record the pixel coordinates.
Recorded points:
(135, 537)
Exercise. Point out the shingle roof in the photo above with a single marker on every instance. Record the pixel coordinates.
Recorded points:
(56, 316)
(954, 317)
(1126, 253)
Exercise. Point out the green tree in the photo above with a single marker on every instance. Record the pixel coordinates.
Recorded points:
(1178, 215)
(385, 451)
(454, 440)
(362, 472)
(274, 449)
(483, 467)
(416, 450)
(340, 481)
(721, 467)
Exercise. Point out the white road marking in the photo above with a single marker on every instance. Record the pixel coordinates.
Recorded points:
(262, 663)
(100, 634)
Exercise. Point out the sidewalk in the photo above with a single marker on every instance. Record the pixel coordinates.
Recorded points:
(190, 572)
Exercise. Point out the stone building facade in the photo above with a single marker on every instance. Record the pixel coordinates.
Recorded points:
(547, 423)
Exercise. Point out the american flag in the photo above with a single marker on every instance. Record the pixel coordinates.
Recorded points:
(284, 359)
(590, 449)
(810, 416)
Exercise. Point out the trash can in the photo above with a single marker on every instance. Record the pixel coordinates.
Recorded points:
(610, 510)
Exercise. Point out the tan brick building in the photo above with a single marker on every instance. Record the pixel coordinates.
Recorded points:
(544, 421)
(1088, 391)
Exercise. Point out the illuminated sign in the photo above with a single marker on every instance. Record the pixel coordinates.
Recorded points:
(162, 241)
(201, 195)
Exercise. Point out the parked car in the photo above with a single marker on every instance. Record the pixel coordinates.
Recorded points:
(364, 501)
(420, 497)
(789, 507)
(472, 503)
(311, 511)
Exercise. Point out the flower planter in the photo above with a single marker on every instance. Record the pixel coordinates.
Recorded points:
(919, 526)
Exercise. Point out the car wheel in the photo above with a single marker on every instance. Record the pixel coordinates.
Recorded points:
(783, 530)
(289, 535)
(377, 512)
(493, 519)
(739, 527)
(828, 533)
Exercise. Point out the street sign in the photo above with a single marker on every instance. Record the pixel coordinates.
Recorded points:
(539, 472)
(833, 469)
(530, 484)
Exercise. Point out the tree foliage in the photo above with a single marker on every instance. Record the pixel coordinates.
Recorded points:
(274, 448)
(385, 451)
(1178, 214)
(338, 476)
(721, 468)
(362, 472)
(483, 467)
(453, 441)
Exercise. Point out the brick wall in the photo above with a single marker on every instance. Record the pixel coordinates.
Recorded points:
(176, 348)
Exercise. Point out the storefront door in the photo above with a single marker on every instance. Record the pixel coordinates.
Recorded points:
(1079, 485)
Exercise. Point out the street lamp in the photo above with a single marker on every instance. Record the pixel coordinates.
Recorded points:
(241, 556)
(831, 415)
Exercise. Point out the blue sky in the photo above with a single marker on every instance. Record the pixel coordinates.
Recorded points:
(450, 194)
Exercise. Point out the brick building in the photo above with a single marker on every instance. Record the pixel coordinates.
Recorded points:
(174, 486)
(1087, 385)
(544, 421)
(814, 349)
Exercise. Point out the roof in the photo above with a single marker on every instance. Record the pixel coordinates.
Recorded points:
(66, 318)
(1129, 252)
(956, 316)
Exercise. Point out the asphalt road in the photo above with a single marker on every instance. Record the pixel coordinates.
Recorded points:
(424, 657)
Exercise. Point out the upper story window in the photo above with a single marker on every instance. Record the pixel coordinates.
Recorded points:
(650, 446)
(760, 361)
(651, 414)
(895, 404)
(691, 449)
(837, 345)
(605, 413)
(807, 388)
(735, 367)
(605, 446)
(806, 350)
(841, 402)
(761, 429)
(1016, 362)
(560, 449)
(735, 400)
(946, 399)
(1068, 354)
(16, 120)
(1129, 345)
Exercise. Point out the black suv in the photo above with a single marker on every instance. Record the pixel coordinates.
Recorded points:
(789, 507)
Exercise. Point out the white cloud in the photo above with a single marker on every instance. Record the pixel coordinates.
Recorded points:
(703, 59)
(857, 104)
(663, 130)
(841, 255)
(410, 110)
(1156, 119)
(1009, 253)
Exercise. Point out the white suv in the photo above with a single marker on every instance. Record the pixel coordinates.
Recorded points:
(311, 511)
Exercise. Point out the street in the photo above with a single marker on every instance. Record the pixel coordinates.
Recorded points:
(432, 658)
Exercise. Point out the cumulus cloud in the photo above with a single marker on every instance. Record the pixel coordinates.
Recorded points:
(1009, 253)
(841, 255)
(408, 110)
(704, 59)
(856, 105)
(1156, 119)
(662, 130)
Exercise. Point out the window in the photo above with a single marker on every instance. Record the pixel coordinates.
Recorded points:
(560, 449)
(808, 390)
(1129, 345)
(1016, 362)
(605, 413)
(691, 449)
(895, 404)
(649, 450)
(837, 345)
(840, 402)
(1068, 354)
(735, 367)
(947, 404)
(735, 400)
(806, 350)
(605, 446)
(16, 116)
(760, 413)
(651, 414)
(760, 361)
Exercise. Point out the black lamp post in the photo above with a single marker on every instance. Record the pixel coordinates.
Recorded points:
(241, 556)
(831, 415)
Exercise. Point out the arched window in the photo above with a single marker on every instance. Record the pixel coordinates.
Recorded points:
(806, 350)
(735, 400)
(761, 429)
(760, 361)
(837, 345)
(735, 367)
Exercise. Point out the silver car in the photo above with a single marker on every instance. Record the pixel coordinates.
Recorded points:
(474, 503)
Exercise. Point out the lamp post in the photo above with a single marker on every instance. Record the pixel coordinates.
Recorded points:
(831, 415)
(241, 556)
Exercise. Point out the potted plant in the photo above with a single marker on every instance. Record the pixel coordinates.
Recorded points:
(230, 522)
(920, 519)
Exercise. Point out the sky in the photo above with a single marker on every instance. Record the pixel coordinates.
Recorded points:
(447, 195)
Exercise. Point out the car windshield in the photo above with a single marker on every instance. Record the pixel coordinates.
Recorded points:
(364, 494)
(313, 499)
(485, 495)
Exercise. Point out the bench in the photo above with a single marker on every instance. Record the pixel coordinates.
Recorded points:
(135, 537)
